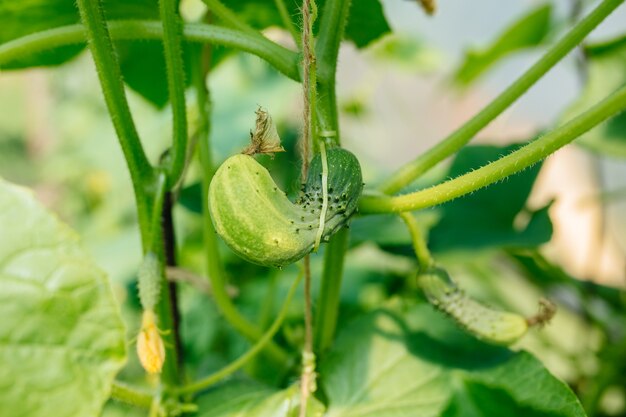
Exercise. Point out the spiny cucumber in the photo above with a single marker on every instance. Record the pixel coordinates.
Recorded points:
(257, 220)
(493, 326)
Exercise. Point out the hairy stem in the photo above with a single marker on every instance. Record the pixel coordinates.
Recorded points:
(251, 353)
(176, 87)
(284, 15)
(332, 27)
(420, 247)
(333, 22)
(328, 303)
(465, 133)
(169, 245)
(215, 267)
(165, 311)
(281, 58)
(514, 162)
(309, 84)
(96, 33)
(129, 395)
(219, 10)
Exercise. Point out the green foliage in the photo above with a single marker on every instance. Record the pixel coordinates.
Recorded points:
(606, 64)
(486, 218)
(366, 23)
(254, 400)
(32, 16)
(61, 334)
(529, 31)
(61, 337)
(416, 363)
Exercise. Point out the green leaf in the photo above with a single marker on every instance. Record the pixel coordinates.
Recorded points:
(417, 364)
(529, 31)
(366, 23)
(25, 17)
(249, 399)
(142, 62)
(61, 334)
(143, 68)
(607, 72)
(487, 217)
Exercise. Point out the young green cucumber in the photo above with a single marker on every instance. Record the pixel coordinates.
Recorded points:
(257, 220)
(149, 281)
(493, 326)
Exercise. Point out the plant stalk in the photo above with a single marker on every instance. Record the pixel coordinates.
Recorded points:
(332, 27)
(279, 57)
(455, 141)
(251, 353)
(176, 87)
(165, 308)
(129, 395)
(227, 16)
(514, 162)
(215, 267)
(95, 31)
(328, 303)
(424, 258)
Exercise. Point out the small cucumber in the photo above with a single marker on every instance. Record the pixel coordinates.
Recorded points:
(149, 281)
(492, 326)
(257, 220)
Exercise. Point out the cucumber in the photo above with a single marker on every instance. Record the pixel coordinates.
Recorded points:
(259, 223)
(492, 326)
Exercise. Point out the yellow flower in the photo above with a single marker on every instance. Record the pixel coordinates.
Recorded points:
(150, 348)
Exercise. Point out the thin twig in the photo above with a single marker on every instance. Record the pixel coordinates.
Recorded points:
(199, 282)
(251, 353)
(307, 381)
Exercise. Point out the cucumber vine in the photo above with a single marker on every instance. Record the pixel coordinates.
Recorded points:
(243, 205)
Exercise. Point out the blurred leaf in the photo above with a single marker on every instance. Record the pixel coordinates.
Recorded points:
(366, 23)
(405, 52)
(61, 333)
(142, 62)
(252, 400)
(529, 31)
(590, 299)
(143, 68)
(385, 230)
(418, 364)
(190, 197)
(486, 217)
(24, 17)
(607, 72)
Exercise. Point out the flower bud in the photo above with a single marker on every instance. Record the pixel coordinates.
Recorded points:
(150, 348)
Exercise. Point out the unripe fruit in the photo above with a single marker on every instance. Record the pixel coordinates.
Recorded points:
(493, 326)
(149, 280)
(257, 220)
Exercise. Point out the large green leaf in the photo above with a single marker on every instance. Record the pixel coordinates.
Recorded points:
(607, 72)
(417, 364)
(61, 335)
(248, 399)
(529, 31)
(487, 217)
(366, 22)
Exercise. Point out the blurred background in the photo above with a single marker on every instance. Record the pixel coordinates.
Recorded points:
(398, 96)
